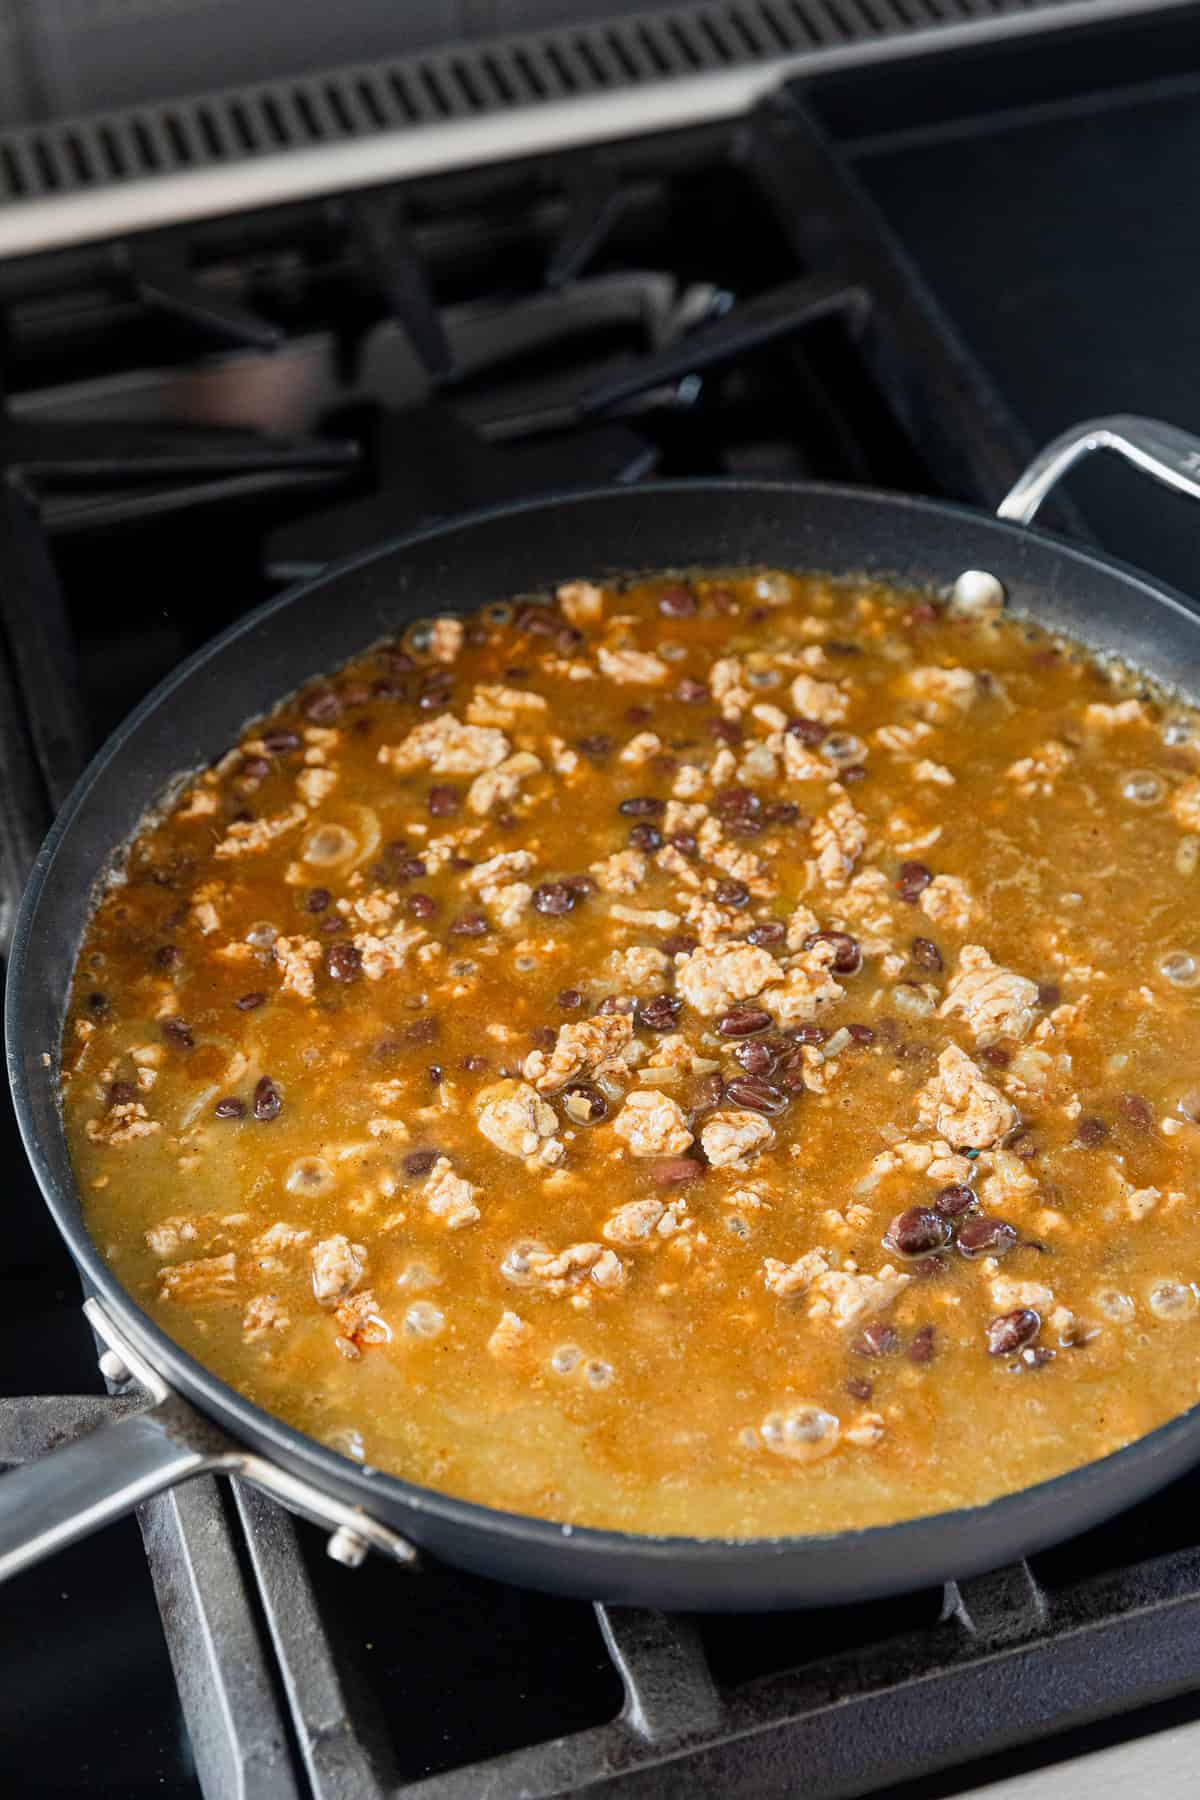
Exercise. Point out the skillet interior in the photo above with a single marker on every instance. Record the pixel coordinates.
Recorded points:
(200, 710)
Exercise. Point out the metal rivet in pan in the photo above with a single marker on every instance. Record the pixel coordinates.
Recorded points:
(113, 1367)
(347, 1547)
(977, 592)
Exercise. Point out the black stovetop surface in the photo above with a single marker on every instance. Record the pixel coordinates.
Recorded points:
(1045, 197)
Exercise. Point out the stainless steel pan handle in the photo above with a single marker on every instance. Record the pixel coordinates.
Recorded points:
(48, 1504)
(1170, 455)
(72, 1492)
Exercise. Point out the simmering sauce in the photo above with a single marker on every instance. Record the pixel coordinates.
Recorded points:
(719, 1056)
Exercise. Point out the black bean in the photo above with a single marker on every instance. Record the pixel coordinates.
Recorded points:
(756, 1056)
(639, 715)
(1049, 994)
(986, 1237)
(590, 1104)
(646, 837)
(254, 768)
(335, 923)
(268, 1102)
(691, 692)
(744, 825)
(809, 731)
(1022, 1143)
(420, 906)
(858, 1390)
(406, 868)
(177, 1032)
(569, 999)
(954, 1200)
(434, 1073)
(343, 962)
(230, 1108)
(755, 1094)
(280, 741)
(856, 772)
(678, 945)
(767, 931)
(323, 707)
(736, 803)
(443, 800)
(922, 1347)
(536, 620)
(544, 1037)
(807, 1033)
(926, 955)
(847, 956)
(1090, 1132)
(789, 1073)
(122, 1093)
(554, 898)
(659, 1014)
(861, 1034)
(1012, 1330)
(675, 1171)
(743, 1021)
(318, 900)
(677, 602)
(595, 748)
(912, 881)
(1137, 1110)
(642, 806)
(996, 1055)
(726, 731)
(248, 1002)
(876, 1339)
(732, 893)
(580, 884)
(470, 924)
(168, 956)
(685, 842)
(918, 1232)
(419, 1162)
(783, 812)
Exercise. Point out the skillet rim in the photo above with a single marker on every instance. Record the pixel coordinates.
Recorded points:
(325, 1467)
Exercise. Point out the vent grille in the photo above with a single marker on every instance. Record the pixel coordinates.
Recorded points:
(469, 86)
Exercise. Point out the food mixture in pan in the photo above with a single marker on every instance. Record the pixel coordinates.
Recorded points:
(716, 1056)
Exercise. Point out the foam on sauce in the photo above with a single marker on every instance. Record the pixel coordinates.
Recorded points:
(716, 1057)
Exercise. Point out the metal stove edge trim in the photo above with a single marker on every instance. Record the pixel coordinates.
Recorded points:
(49, 220)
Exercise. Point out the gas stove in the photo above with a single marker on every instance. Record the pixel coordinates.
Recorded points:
(828, 279)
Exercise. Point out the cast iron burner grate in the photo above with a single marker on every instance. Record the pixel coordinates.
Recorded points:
(294, 384)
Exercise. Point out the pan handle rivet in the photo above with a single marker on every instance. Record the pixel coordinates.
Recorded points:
(347, 1547)
(113, 1367)
(976, 592)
